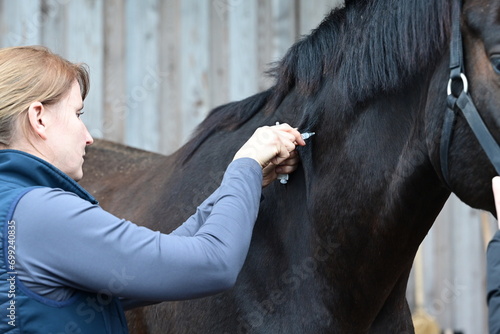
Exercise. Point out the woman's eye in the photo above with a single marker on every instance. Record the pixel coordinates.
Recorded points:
(80, 113)
(495, 62)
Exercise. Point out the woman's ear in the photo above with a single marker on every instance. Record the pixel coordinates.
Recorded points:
(37, 116)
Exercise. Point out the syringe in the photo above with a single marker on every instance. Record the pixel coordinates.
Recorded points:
(284, 177)
(307, 135)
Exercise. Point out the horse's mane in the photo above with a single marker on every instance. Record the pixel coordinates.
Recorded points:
(369, 47)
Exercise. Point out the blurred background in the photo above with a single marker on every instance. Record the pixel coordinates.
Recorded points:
(159, 66)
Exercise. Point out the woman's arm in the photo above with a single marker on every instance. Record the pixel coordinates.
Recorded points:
(64, 241)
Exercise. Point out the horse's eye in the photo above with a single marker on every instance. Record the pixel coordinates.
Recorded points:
(495, 62)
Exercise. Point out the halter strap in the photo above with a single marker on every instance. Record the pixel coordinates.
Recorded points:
(456, 48)
(463, 102)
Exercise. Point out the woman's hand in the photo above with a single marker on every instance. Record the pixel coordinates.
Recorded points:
(271, 171)
(273, 147)
(496, 195)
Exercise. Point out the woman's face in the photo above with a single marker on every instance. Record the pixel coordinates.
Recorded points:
(67, 135)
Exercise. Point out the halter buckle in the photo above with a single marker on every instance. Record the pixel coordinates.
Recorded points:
(465, 83)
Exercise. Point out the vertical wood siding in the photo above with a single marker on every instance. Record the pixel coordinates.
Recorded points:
(159, 66)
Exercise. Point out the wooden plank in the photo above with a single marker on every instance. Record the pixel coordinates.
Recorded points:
(266, 33)
(219, 54)
(84, 43)
(194, 64)
(243, 64)
(454, 270)
(285, 23)
(170, 112)
(22, 22)
(438, 259)
(143, 82)
(276, 31)
(311, 13)
(4, 24)
(115, 98)
(55, 29)
(468, 279)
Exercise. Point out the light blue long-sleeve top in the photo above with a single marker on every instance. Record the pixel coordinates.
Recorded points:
(65, 243)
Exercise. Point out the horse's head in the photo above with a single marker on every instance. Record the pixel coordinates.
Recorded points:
(469, 168)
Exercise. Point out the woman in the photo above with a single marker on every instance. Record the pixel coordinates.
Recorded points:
(68, 266)
(493, 269)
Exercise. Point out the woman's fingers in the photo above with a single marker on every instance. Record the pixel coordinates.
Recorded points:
(295, 137)
(289, 165)
(271, 144)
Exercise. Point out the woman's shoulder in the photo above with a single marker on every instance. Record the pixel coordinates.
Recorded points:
(54, 206)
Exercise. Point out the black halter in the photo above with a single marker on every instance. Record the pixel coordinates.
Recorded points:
(463, 102)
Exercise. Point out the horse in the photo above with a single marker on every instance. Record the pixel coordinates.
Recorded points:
(332, 249)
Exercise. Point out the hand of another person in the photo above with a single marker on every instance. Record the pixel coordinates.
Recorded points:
(272, 147)
(496, 195)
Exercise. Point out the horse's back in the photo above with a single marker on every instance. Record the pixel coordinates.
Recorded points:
(116, 174)
(109, 158)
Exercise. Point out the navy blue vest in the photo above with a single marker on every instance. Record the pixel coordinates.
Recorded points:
(21, 310)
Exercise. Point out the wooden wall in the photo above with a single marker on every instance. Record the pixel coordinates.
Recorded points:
(158, 66)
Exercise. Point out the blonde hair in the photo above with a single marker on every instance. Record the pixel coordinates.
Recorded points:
(33, 73)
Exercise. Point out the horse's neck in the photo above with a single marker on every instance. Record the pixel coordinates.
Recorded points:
(372, 195)
(372, 173)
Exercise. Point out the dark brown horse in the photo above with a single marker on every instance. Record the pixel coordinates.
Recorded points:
(332, 250)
